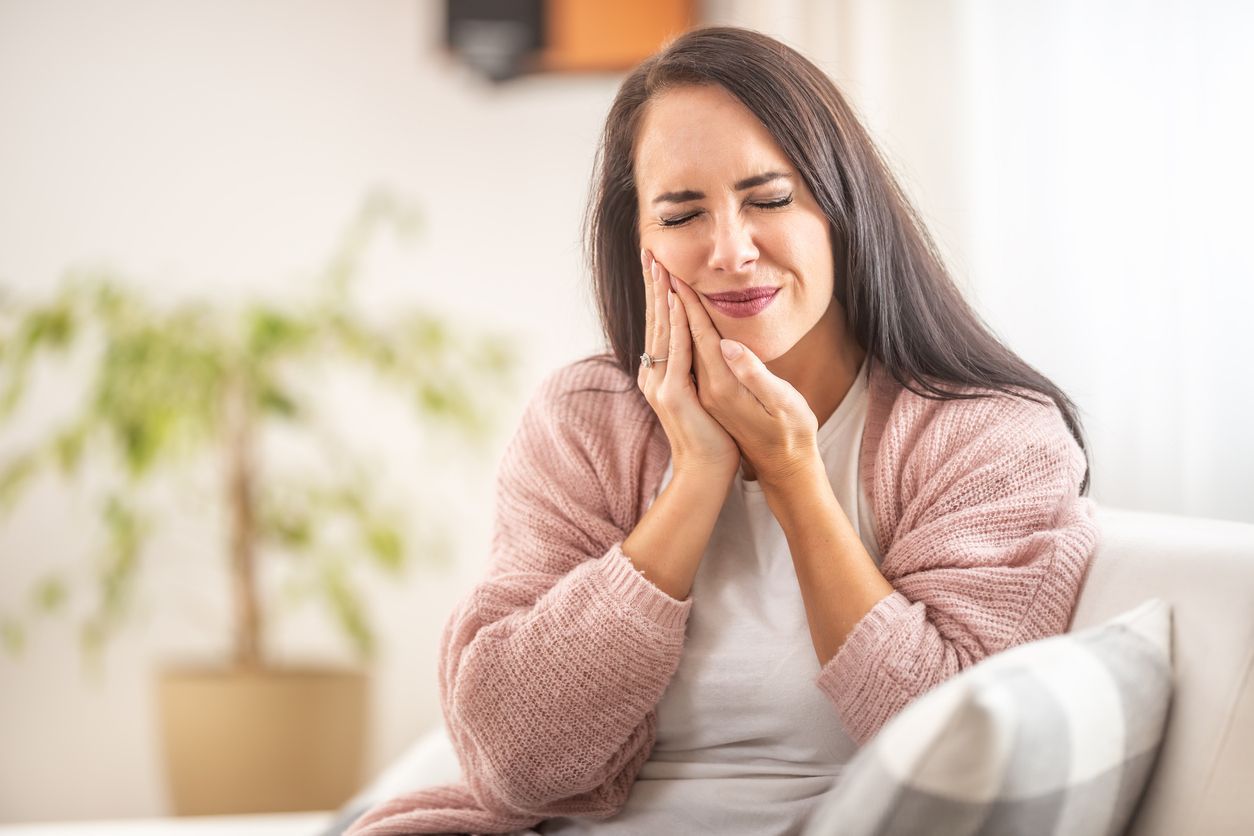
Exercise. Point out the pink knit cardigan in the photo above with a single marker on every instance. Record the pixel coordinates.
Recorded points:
(551, 668)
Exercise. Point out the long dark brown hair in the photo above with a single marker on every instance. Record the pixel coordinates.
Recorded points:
(899, 299)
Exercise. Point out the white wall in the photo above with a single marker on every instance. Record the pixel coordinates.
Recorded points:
(217, 148)
(1085, 167)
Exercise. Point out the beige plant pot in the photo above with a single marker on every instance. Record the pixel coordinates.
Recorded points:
(262, 741)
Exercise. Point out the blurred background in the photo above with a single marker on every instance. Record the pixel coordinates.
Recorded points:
(425, 165)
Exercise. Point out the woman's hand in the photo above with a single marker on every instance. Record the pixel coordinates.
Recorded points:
(699, 445)
(769, 419)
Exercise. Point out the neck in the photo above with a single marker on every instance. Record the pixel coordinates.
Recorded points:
(823, 364)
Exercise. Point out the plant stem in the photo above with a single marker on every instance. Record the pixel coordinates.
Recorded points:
(240, 504)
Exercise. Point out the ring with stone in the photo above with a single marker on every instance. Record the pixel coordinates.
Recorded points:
(649, 361)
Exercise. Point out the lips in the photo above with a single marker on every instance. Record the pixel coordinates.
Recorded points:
(742, 295)
(742, 303)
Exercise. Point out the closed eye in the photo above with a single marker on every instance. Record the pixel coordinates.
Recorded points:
(774, 204)
(677, 221)
(683, 219)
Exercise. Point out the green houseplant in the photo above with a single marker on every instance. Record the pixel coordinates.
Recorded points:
(169, 387)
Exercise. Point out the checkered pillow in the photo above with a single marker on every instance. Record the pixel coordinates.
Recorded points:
(1055, 736)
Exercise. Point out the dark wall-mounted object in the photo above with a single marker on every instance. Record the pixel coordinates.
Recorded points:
(504, 39)
(499, 38)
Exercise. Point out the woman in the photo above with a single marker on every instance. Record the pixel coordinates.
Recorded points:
(806, 486)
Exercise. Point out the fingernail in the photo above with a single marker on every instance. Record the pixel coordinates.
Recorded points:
(674, 286)
(670, 299)
(731, 349)
(653, 268)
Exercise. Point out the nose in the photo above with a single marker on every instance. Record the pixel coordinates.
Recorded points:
(733, 249)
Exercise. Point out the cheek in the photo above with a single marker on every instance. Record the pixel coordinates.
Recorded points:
(811, 246)
(677, 255)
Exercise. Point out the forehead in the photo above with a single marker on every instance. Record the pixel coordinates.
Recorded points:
(702, 133)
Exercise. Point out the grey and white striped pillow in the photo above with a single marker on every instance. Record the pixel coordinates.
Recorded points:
(1054, 736)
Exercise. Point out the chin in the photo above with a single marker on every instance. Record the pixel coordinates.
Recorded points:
(766, 350)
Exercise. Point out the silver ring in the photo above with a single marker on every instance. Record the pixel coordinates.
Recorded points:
(649, 362)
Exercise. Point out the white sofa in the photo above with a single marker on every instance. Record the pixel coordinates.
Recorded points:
(1204, 779)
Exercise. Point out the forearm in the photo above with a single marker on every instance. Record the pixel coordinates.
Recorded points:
(668, 542)
(545, 701)
(576, 634)
(839, 580)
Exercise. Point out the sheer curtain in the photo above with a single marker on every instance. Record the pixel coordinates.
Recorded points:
(1086, 166)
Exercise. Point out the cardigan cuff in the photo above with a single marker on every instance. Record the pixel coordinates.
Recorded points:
(628, 584)
(849, 677)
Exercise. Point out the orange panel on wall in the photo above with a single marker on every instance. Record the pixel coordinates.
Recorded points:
(610, 34)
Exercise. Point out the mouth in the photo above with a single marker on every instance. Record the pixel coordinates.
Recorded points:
(743, 303)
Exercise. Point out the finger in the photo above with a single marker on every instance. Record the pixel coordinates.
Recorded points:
(708, 358)
(648, 299)
(679, 350)
(644, 380)
(753, 374)
(661, 314)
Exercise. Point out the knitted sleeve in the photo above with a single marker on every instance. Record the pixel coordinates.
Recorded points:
(988, 539)
(551, 668)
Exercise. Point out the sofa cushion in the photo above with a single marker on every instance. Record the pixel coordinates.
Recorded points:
(1054, 736)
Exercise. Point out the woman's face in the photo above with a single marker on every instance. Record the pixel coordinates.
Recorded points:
(722, 208)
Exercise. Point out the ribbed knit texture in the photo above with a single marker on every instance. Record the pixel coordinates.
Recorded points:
(550, 669)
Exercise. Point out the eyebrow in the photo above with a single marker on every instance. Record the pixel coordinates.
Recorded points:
(686, 195)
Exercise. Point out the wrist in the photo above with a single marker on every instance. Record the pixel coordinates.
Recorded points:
(798, 476)
(708, 480)
(707, 475)
(794, 495)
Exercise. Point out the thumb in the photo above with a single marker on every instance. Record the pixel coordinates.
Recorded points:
(750, 371)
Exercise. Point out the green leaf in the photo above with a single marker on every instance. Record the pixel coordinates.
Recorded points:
(13, 636)
(50, 594)
(497, 356)
(430, 335)
(273, 400)
(91, 638)
(53, 327)
(158, 389)
(68, 447)
(345, 604)
(139, 443)
(13, 478)
(433, 400)
(349, 499)
(286, 525)
(387, 544)
(14, 389)
(271, 332)
(119, 561)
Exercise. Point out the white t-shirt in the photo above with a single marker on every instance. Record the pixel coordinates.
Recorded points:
(746, 741)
